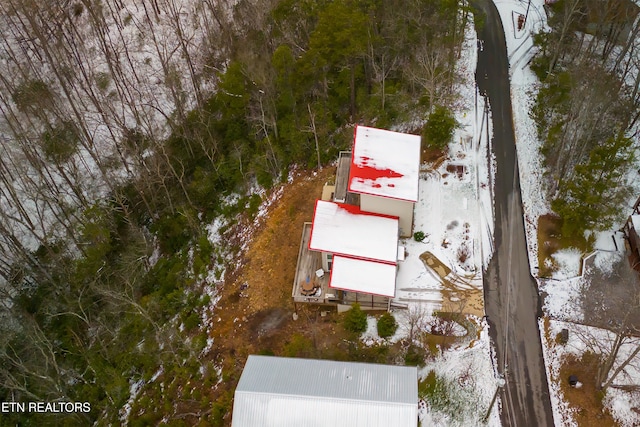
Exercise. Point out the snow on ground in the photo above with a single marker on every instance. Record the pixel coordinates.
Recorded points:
(455, 212)
(466, 370)
(454, 208)
(562, 292)
(470, 382)
(567, 262)
(605, 261)
(586, 338)
(133, 65)
(134, 389)
(523, 91)
(561, 298)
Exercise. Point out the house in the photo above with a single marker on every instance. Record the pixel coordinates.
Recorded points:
(346, 256)
(384, 171)
(283, 392)
(349, 252)
(631, 230)
(360, 249)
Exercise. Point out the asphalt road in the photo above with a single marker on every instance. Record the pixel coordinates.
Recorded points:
(511, 298)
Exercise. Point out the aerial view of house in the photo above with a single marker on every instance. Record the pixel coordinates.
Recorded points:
(310, 213)
(353, 238)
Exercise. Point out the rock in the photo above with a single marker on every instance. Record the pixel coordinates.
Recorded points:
(573, 380)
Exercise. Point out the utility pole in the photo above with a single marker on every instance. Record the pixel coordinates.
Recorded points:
(493, 401)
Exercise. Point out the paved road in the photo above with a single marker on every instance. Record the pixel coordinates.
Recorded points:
(511, 296)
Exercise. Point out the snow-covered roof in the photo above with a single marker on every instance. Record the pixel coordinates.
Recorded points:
(635, 220)
(385, 163)
(363, 276)
(346, 230)
(283, 392)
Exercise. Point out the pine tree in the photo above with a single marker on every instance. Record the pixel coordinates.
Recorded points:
(591, 199)
(387, 325)
(438, 130)
(355, 320)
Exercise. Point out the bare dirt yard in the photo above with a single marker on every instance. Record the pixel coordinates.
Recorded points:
(587, 400)
(255, 312)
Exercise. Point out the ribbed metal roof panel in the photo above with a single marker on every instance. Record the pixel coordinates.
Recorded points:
(275, 391)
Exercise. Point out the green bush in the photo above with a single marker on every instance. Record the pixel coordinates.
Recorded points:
(220, 408)
(202, 256)
(102, 81)
(438, 130)
(173, 232)
(253, 205)
(387, 325)
(60, 142)
(199, 341)
(433, 389)
(378, 353)
(298, 346)
(32, 95)
(192, 321)
(419, 236)
(355, 320)
(414, 356)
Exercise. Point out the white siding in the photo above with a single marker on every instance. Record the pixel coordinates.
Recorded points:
(384, 205)
(263, 410)
(283, 392)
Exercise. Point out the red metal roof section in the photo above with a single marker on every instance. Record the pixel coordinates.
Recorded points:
(355, 210)
(363, 172)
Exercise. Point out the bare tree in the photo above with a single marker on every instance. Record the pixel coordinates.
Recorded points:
(568, 16)
(612, 301)
(415, 320)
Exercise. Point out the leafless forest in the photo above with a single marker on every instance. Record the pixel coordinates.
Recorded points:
(128, 126)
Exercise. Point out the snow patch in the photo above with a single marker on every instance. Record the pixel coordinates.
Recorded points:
(568, 263)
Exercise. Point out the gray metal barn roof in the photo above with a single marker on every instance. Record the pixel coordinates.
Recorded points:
(282, 392)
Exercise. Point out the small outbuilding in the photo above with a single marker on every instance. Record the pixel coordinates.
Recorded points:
(288, 392)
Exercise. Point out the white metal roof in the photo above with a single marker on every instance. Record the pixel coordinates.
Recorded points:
(346, 230)
(385, 163)
(283, 392)
(363, 276)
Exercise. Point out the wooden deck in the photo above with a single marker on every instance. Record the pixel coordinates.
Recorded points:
(342, 193)
(307, 286)
(342, 176)
(310, 289)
